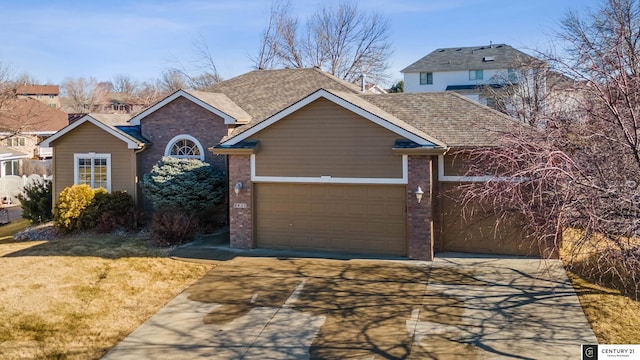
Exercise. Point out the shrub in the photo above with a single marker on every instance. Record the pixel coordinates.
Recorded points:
(72, 201)
(81, 208)
(169, 228)
(37, 201)
(189, 185)
(109, 211)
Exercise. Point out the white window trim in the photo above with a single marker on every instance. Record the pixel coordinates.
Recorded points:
(167, 149)
(3, 164)
(426, 82)
(330, 179)
(475, 74)
(14, 141)
(92, 156)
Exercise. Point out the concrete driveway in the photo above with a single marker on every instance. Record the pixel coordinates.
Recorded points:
(300, 308)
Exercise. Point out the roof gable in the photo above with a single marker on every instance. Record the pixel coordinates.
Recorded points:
(495, 56)
(350, 102)
(216, 103)
(263, 93)
(131, 141)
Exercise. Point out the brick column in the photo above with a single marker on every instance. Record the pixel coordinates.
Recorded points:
(241, 205)
(419, 214)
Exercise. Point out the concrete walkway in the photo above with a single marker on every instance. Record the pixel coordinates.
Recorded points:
(458, 306)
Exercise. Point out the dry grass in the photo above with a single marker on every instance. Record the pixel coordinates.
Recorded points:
(76, 297)
(614, 317)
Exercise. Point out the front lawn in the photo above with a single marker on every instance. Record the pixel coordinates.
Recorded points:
(614, 318)
(76, 297)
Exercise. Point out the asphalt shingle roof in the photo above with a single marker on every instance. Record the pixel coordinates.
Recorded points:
(222, 103)
(262, 93)
(451, 118)
(496, 56)
(444, 118)
(28, 115)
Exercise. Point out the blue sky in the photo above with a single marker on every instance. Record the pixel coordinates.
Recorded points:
(55, 39)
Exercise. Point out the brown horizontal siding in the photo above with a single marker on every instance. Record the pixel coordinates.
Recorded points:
(456, 165)
(89, 138)
(324, 139)
(469, 228)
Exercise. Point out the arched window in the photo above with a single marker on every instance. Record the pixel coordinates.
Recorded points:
(184, 146)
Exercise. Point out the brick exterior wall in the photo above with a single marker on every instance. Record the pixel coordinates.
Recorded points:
(180, 116)
(241, 218)
(419, 224)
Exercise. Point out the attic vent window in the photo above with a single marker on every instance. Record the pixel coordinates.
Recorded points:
(488, 58)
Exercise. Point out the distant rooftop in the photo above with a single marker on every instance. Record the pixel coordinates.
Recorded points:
(37, 90)
(494, 56)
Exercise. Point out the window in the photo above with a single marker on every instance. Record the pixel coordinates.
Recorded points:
(51, 96)
(511, 75)
(426, 78)
(475, 75)
(93, 169)
(16, 141)
(11, 167)
(184, 146)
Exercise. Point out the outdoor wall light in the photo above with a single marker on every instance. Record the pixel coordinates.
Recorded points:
(237, 188)
(419, 194)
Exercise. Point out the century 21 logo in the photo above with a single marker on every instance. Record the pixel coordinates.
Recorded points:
(589, 352)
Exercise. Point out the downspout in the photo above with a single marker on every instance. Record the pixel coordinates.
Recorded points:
(142, 147)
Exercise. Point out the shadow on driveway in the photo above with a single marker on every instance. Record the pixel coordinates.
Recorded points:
(454, 307)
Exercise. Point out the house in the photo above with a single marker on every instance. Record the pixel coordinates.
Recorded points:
(471, 71)
(10, 161)
(25, 122)
(46, 94)
(313, 162)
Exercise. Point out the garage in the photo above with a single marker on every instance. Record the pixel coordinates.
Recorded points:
(366, 219)
(467, 230)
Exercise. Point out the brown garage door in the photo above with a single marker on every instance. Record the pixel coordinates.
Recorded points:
(339, 218)
(466, 230)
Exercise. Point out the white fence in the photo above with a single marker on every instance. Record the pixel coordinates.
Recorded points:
(11, 186)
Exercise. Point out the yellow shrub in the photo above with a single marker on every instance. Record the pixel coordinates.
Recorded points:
(72, 201)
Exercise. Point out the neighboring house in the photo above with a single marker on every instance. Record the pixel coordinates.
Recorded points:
(10, 161)
(24, 123)
(119, 103)
(470, 71)
(46, 94)
(313, 163)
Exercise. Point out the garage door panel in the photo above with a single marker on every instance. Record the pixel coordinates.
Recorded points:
(331, 217)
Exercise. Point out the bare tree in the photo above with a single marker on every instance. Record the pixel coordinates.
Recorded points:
(344, 41)
(124, 84)
(147, 94)
(6, 84)
(171, 81)
(84, 95)
(202, 72)
(581, 172)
